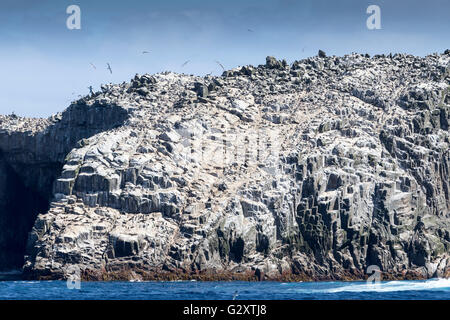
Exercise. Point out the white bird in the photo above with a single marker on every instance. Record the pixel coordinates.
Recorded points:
(235, 295)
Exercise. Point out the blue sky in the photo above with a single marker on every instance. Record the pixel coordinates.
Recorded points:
(44, 65)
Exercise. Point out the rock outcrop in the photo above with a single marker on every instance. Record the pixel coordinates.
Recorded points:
(315, 170)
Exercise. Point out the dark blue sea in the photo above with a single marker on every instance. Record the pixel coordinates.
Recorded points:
(391, 290)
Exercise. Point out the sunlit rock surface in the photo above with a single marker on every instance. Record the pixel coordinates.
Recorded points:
(317, 169)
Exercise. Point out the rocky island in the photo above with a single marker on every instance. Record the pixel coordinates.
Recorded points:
(310, 171)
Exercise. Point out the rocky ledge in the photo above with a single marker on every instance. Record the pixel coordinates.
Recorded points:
(314, 170)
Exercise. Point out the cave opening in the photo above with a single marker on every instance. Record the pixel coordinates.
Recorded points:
(19, 206)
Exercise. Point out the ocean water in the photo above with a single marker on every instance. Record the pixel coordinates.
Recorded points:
(435, 289)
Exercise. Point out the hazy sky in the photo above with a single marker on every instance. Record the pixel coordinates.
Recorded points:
(44, 65)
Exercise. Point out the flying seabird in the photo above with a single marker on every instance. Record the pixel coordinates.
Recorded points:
(235, 295)
(93, 66)
(220, 65)
(109, 68)
(250, 30)
(185, 63)
(144, 52)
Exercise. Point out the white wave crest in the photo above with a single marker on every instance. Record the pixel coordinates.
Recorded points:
(393, 286)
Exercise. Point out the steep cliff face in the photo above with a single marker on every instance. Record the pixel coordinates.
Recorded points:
(315, 170)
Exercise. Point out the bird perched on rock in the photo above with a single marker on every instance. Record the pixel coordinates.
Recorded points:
(91, 90)
(109, 68)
